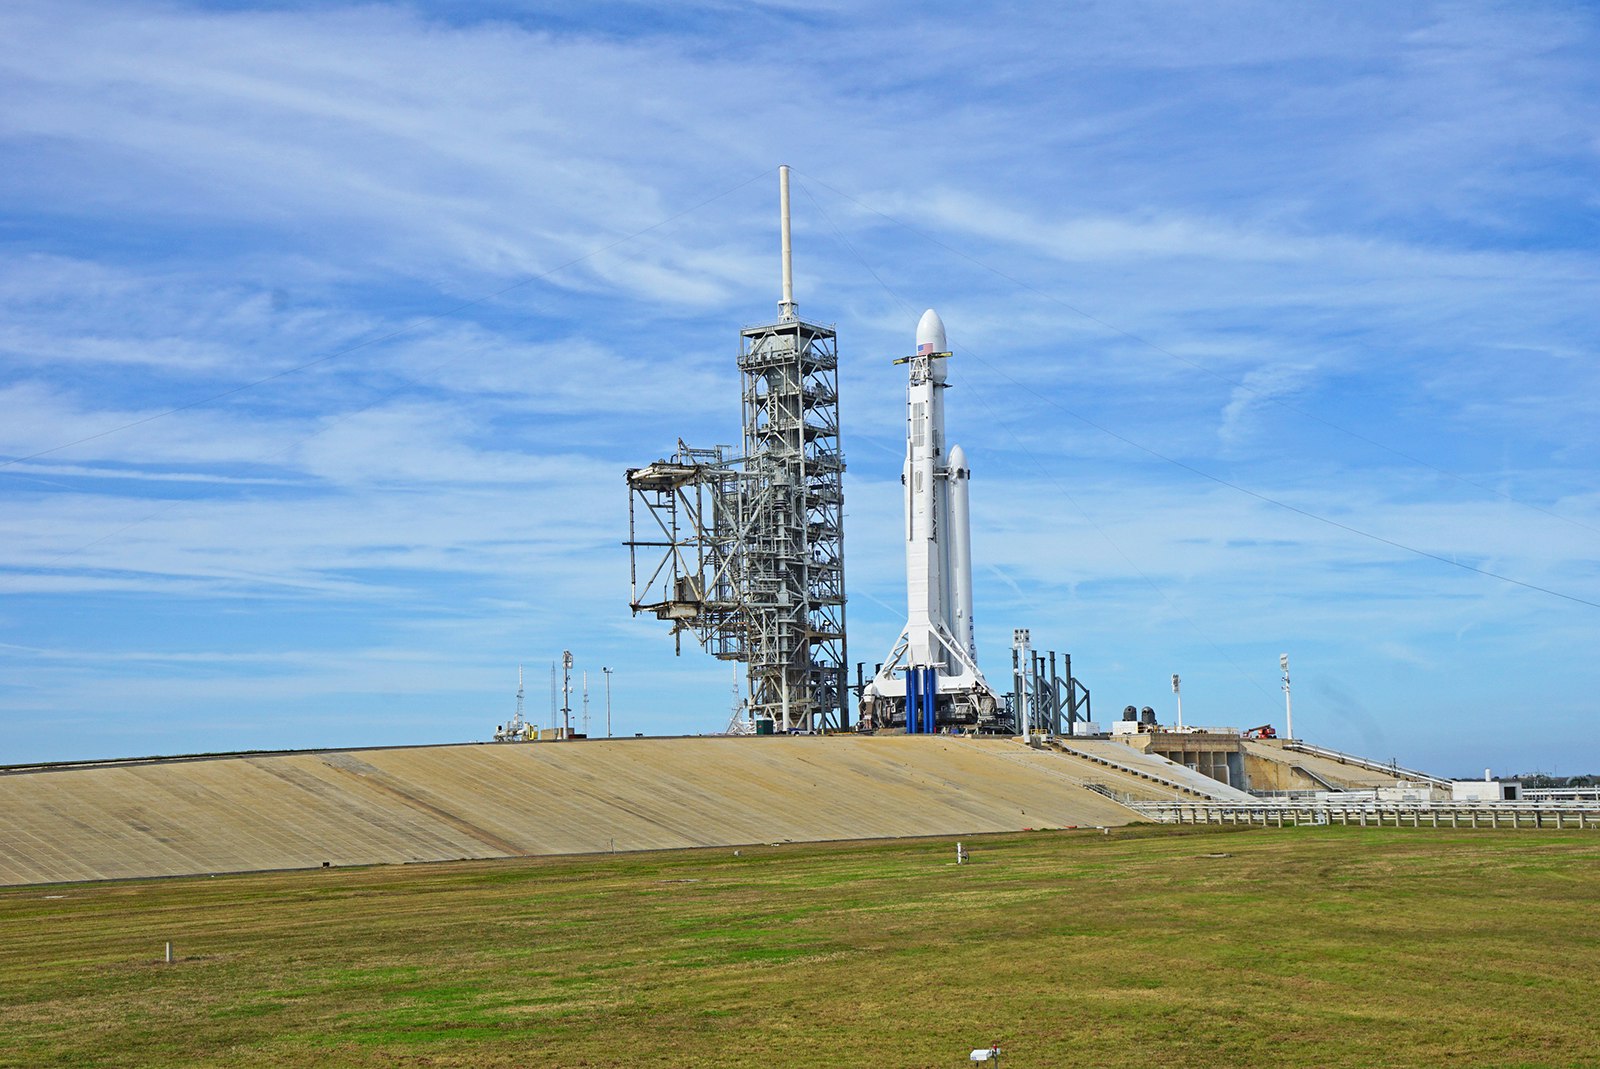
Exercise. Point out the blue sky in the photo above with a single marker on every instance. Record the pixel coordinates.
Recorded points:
(1198, 263)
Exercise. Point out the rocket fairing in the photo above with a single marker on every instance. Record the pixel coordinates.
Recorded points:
(931, 678)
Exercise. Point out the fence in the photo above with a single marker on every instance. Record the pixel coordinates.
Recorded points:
(1554, 815)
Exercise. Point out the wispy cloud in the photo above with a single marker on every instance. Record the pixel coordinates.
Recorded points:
(1252, 239)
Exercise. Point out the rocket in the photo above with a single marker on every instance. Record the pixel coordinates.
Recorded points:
(931, 678)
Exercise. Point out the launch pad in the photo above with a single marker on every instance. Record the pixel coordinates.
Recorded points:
(745, 550)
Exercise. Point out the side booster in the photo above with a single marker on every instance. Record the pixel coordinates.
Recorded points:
(931, 679)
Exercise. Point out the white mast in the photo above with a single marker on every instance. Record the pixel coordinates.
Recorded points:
(786, 307)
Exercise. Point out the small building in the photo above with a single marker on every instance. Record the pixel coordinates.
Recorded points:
(1486, 790)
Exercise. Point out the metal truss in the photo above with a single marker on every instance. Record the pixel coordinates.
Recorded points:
(747, 553)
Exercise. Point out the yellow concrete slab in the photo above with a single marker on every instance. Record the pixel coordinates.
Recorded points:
(299, 810)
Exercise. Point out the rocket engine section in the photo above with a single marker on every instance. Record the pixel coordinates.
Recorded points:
(931, 679)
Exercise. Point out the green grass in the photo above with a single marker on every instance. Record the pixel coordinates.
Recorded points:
(1301, 947)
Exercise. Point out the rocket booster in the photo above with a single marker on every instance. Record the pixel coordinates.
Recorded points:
(936, 649)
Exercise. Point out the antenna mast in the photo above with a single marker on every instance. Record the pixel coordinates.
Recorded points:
(786, 307)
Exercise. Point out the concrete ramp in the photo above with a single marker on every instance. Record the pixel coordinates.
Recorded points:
(385, 806)
(1159, 767)
(1272, 767)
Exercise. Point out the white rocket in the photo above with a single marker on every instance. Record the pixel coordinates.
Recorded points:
(931, 678)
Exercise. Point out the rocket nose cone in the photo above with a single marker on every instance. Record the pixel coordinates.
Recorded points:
(930, 333)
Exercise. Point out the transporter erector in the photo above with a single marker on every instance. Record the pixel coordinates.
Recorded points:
(931, 678)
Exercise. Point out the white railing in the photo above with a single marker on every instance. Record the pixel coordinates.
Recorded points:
(1561, 794)
(1392, 769)
(1279, 814)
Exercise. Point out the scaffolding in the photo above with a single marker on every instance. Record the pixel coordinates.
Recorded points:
(746, 553)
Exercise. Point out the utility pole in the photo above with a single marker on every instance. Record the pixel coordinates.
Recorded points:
(566, 694)
(1288, 702)
(1179, 693)
(586, 704)
(607, 672)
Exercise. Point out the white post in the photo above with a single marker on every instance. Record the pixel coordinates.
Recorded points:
(1288, 702)
(786, 307)
(169, 952)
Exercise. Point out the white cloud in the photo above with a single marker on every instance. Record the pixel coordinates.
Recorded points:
(1366, 215)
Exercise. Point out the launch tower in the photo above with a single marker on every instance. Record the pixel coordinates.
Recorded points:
(751, 547)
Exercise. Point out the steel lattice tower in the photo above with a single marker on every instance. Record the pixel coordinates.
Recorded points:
(794, 545)
(754, 546)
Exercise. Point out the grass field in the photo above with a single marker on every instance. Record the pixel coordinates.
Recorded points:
(1145, 947)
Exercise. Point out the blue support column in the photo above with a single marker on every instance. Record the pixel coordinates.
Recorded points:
(913, 704)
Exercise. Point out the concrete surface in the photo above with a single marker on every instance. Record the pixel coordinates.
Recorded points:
(299, 810)
(1272, 768)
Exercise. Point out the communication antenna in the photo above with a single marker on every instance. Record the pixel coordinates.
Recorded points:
(519, 720)
(585, 703)
(515, 729)
(1179, 693)
(739, 722)
(1288, 702)
(566, 694)
(555, 695)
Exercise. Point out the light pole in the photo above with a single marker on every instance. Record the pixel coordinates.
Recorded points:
(607, 672)
(1179, 693)
(566, 694)
(1288, 702)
